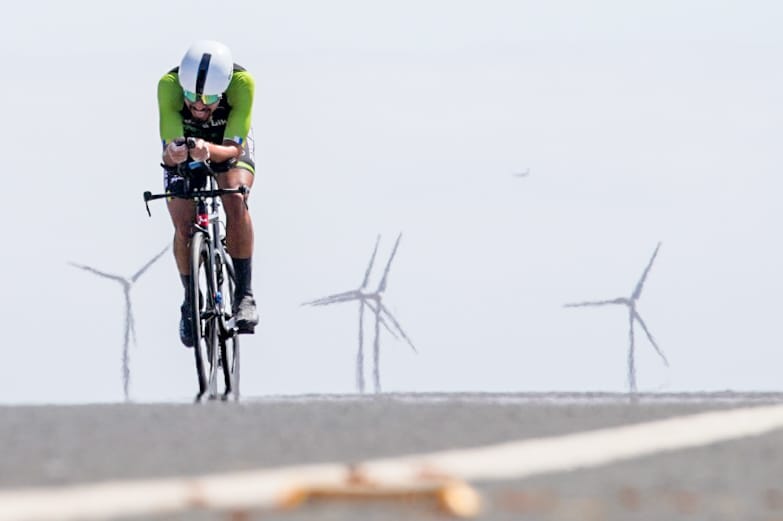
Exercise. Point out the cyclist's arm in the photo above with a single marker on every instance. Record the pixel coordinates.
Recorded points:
(170, 120)
(240, 96)
(220, 153)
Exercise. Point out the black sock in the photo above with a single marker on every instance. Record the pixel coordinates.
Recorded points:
(186, 284)
(243, 269)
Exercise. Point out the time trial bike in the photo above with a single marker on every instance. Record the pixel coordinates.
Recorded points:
(215, 334)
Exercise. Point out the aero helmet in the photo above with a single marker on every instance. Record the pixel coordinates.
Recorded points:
(206, 68)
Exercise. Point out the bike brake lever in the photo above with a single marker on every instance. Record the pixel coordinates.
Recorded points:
(147, 197)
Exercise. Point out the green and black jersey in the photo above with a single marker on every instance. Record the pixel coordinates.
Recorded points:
(230, 121)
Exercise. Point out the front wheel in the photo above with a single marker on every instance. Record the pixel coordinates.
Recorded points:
(203, 316)
(229, 339)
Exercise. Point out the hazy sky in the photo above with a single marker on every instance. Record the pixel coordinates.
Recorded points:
(640, 122)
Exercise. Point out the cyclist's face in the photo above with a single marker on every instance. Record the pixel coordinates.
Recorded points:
(199, 110)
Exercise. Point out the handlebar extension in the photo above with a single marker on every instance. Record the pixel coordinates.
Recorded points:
(241, 189)
(189, 142)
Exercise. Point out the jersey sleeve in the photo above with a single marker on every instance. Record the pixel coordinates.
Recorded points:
(170, 102)
(240, 96)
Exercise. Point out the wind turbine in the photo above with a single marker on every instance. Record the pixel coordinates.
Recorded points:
(633, 315)
(130, 329)
(372, 300)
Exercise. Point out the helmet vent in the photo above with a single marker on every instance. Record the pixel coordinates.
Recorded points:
(203, 67)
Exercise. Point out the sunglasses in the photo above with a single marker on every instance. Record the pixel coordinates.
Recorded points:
(206, 99)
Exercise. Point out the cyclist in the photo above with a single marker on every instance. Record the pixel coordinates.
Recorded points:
(210, 98)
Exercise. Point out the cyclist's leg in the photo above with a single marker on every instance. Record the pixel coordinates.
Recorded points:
(232, 174)
(181, 212)
(239, 225)
(239, 243)
(239, 233)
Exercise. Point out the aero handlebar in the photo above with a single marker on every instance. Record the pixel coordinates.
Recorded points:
(197, 194)
(184, 170)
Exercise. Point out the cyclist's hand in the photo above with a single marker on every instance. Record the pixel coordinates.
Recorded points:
(200, 152)
(177, 153)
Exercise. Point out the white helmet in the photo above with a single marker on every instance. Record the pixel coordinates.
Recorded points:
(206, 68)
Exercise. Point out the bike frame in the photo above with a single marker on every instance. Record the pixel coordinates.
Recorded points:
(207, 221)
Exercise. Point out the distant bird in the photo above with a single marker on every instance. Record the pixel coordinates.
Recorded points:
(633, 315)
(130, 329)
(372, 300)
(522, 174)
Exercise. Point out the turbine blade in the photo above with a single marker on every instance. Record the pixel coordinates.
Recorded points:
(383, 321)
(369, 266)
(144, 268)
(333, 299)
(384, 310)
(597, 303)
(638, 317)
(99, 273)
(382, 284)
(638, 290)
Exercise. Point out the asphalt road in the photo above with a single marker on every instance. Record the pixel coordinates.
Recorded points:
(741, 479)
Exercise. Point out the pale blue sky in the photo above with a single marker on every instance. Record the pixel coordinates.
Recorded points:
(640, 121)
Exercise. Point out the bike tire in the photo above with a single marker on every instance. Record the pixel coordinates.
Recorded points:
(229, 342)
(205, 325)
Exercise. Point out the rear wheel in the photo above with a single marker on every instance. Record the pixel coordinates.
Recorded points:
(203, 316)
